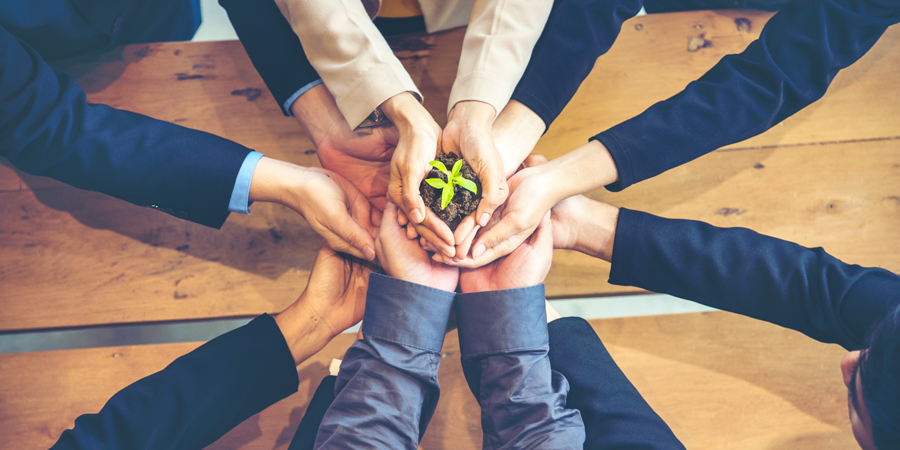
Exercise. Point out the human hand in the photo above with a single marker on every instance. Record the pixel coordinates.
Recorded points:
(419, 139)
(406, 260)
(526, 266)
(334, 208)
(362, 156)
(334, 300)
(469, 133)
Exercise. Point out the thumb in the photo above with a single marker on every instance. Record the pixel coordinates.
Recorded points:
(501, 239)
(534, 159)
(494, 194)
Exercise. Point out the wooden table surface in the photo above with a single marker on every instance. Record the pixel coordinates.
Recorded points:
(720, 381)
(829, 176)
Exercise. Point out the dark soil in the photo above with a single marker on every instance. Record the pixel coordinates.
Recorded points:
(463, 203)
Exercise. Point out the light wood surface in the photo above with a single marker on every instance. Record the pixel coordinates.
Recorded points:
(829, 176)
(719, 380)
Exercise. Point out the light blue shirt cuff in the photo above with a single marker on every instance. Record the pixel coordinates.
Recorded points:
(290, 101)
(240, 196)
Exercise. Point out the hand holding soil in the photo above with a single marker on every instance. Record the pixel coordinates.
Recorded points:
(463, 200)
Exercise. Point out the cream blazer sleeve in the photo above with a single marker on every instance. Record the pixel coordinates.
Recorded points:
(349, 53)
(496, 49)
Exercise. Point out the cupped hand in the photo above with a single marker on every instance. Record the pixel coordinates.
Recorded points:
(362, 155)
(526, 266)
(406, 260)
(469, 133)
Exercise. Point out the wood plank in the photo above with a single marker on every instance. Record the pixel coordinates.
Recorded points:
(718, 379)
(130, 264)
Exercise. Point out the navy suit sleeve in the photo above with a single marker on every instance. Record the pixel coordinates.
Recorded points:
(796, 57)
(576, 34)
(47, 128)
(741, 271)
(614, 413)
(196, 399)
(272, 46)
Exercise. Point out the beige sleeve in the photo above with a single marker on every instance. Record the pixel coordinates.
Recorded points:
(496, 49)
(348, 52)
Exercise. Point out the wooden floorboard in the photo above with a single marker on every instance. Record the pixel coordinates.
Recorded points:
(719, 380)
(828, 176)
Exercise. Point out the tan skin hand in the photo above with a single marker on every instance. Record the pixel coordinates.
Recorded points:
(334, 300)
(362, 156)
(406, 260)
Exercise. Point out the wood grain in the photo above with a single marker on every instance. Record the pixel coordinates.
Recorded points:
(829, 176)
(719, 380)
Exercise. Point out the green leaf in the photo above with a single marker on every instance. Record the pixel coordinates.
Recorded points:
(436, 183)
(456, 168)
(466, 184)
(439, 166)
(446, 195)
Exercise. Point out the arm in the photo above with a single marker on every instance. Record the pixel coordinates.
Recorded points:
(503, 338)
(614, 413)
(737, 270)
(387, 387)
(796, 57)
(202, 395)
(349, 53)
(47, 128)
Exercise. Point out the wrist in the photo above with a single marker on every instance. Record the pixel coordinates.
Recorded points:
(516, 132)
(596, 231)
(317, 113)
(473, 113)
(304, 330)
(405, 111)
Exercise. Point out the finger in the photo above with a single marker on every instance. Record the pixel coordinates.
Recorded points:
(411, 200)
(402, 219)
(464, 229)
(438, 228)
(439, 245)
(411, 231)
(462, 250)
(350, 237)
(376, 219)
(378, 202)
(494, 193)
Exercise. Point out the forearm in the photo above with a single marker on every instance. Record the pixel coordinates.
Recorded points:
(576, 34)
(504, 344)
(738, 270)
(47, 128)
(387, 384)
(349, 53)
(496, 50)
(214, 388)
(798, 54)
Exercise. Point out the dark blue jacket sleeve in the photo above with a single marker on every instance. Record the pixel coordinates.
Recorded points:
(196, 399)
(47, 128)
(615, 415)
(387, 388)
(576, 34)
(741, 271)
(796, 57)
(503, 341)
(272, 46)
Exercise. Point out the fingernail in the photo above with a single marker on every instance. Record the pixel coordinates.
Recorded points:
(436, 257)
(478, 250)
(416, 216)
(369, 252)
(483, 221)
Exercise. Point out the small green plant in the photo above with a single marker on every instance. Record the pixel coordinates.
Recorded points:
(453, 177)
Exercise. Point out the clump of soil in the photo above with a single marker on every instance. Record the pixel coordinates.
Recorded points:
(464, 202)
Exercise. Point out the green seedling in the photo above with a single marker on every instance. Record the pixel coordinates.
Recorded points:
(452, 178)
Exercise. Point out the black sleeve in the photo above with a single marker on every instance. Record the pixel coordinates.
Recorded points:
(48, 128)
(614, 413)
(739, 270)
(576, 34)
(799, 52)
(196, 399)
(272, 46)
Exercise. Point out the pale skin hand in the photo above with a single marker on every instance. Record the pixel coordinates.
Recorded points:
(527, 266)
(334, 208)
(406, 260)
(469, 133)
(334, 300)
(419, 141)
(362, 156)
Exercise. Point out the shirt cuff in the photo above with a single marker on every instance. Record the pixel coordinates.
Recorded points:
(495, 322)
(290, 101)
(406, 313)
(240, 196)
